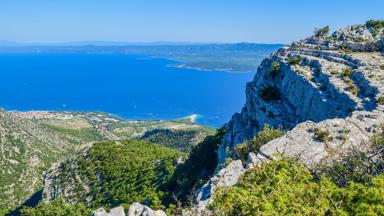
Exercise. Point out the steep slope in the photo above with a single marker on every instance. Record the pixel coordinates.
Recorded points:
(113, 173)
(322, 86)
(31, 142)
(26, 150)
(327, 92)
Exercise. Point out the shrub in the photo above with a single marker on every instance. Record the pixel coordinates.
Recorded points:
(346, 78)
(346, 51)
(323, 135)
(375, 23)
(264, 136)
(347, 72)
(359, 39)
(57, 208)
(294, 61)
(286, 187)
(382, 67)
(353, 89)
(358, 165)
(380, 100)
(321, 32)
(270, 93)
(275, 68)
(375, 26)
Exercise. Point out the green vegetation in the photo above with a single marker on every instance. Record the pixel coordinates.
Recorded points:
(352, 185)
(286, 187)
(382, 67)
(182, 140)
(57, 208)
(270, 93)
(275, 68)
(31, 146)
(345, 50)
(119, 173)
(25, 155)
(321, 32)
(375, 26)
(380, 100)
(84, 134)
(358, 165)
(196, 170)
(323, 135)
(264, 136)
(294, 61)
(346, 74)
(359, 39)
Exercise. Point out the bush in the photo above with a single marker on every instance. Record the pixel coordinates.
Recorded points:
(347, 72)
(353, 89)
(346, 78)
(275, 68)
(321, 32)
(286, 187)
(346, 51)
(375, 26)
(263, 137)
(380, 100)
(57, 208)
(358, 165)
(294, 61)
(270, 93)
(323, 135)
(375, 23)
(382, 67)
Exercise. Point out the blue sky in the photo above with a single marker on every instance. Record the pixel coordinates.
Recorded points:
(262, 21)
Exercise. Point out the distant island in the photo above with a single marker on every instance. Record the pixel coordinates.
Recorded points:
(238, 57)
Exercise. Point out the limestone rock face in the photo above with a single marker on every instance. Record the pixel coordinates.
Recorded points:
(325, 83)
(227, 176)
(332, 84)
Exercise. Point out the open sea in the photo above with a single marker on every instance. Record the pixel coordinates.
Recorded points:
(129, 86)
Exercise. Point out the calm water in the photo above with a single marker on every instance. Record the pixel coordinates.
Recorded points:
(133, 87)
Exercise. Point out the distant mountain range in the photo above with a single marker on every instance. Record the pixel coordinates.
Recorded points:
(237, 57)
(110, 43)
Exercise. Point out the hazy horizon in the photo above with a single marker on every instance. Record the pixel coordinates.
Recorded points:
(197, 21)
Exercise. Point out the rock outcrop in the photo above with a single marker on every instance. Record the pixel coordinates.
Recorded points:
(227, 176)
(331, 83)
(135, 209)
(327, 92)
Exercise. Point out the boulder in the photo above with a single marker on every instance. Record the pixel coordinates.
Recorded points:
(118, 211)
(100, 212)
(227, 176)
(138, 209)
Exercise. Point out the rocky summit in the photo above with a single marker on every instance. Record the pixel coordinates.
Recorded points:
(326, 91)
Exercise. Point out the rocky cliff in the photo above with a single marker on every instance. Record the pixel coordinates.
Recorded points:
(331, 84)
(325, 91)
